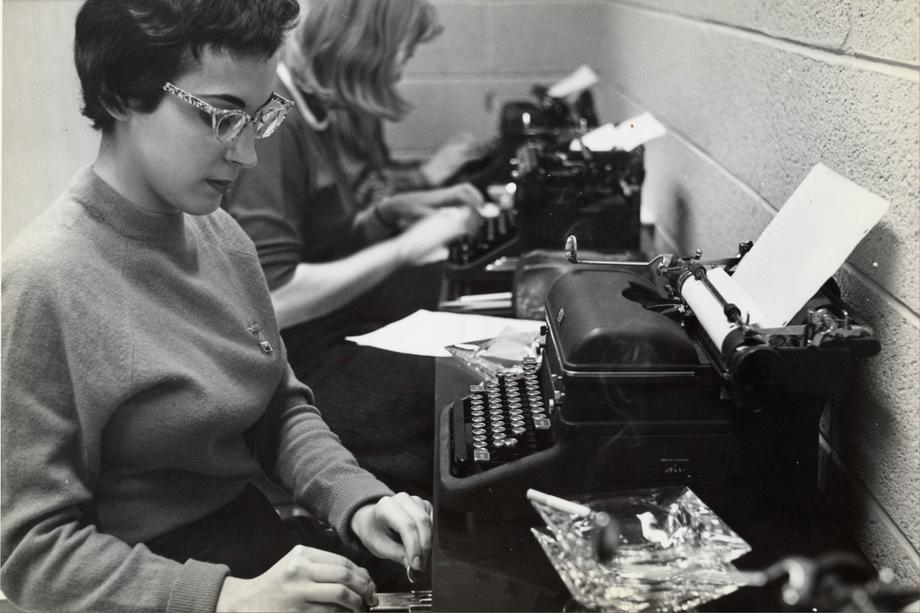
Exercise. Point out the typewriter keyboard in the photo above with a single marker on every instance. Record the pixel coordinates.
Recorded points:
(500, 421)
(496, 229)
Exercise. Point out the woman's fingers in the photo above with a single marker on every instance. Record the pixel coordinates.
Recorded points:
(392, 514)
(335, 593)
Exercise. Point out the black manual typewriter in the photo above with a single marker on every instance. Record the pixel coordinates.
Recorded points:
(594, 196)
(628, 391)
(486, 260)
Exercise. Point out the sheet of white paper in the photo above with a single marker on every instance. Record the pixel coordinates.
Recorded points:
(805, 244)
(427, 333)
(601, 138)
(626, 136)
(581, 79)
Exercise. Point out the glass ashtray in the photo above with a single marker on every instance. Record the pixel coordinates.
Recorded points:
(658, 549)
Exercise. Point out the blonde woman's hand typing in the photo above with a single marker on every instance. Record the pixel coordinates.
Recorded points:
(421, 239)
(401, 210)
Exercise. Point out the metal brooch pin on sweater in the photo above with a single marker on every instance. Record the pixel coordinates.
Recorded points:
(256, 329)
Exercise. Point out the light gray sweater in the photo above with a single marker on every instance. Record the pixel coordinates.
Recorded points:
(137, 351)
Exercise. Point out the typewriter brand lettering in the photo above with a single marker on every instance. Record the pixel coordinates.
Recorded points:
(560, 315)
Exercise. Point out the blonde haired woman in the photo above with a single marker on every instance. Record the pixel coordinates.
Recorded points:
(340, 228)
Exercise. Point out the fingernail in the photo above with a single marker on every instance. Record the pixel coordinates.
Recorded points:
(417, 563)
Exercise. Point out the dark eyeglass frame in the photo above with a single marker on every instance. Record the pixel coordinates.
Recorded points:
(238, 117)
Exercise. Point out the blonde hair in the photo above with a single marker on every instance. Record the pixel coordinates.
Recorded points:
(346, 51)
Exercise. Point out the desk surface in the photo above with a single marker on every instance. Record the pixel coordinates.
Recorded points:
(488, 564)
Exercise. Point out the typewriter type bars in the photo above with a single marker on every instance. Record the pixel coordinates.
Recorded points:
(501, 421)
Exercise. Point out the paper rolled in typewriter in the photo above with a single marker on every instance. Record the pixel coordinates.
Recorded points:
(710, 311)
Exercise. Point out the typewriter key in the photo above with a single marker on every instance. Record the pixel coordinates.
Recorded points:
(480, 438)
(478, 431)
(515, 413)
(478, 420)
(480, 444)
(541, 423)
(477, 413)
(498, 436)
(500, 429)
(481, 455)
(519, 430)
(511, 442)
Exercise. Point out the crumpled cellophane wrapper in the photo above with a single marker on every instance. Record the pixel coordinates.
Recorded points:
(673, 552)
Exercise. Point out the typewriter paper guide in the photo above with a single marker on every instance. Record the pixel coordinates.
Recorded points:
(808, 240)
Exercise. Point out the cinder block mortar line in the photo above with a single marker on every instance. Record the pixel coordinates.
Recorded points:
(829, 55)
(874, 507)
(903, 309)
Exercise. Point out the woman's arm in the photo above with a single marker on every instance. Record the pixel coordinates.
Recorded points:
(53, 556)
(402, 209)
(315, 290)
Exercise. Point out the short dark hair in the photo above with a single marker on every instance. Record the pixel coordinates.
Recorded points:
(126, 49)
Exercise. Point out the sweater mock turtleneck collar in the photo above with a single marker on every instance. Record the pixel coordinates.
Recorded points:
(125, 217)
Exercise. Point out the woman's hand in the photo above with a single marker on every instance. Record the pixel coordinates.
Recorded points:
(304, 579)
(447, 160)
(417, 244)
(402, 210)
(397, 528)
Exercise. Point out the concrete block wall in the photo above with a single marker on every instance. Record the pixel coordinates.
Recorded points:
(754, 94)
(491, 51)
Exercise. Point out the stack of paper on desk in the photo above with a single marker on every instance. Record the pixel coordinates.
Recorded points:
(427, 333)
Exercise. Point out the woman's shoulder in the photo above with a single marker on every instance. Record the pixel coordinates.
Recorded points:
(49, 245)
(222, 228)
